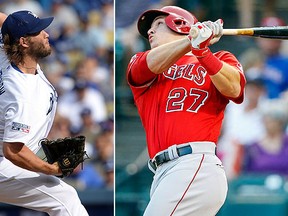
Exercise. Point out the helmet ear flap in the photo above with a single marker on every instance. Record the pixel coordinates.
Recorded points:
(178, 24)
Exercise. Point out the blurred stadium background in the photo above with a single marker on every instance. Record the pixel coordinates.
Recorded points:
(81, 67)
(83, 42)
(249, 194)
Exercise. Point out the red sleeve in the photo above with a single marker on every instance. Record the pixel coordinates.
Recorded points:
(230, 59)
(138, 73)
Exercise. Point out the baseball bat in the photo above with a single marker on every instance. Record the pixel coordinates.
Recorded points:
(274, 32)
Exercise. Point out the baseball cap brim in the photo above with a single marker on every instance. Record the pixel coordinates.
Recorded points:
(42, 24)
(145, 21)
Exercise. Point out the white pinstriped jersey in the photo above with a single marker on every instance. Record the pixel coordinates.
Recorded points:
(27, 106)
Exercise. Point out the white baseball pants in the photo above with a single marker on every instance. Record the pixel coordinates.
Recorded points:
(193, 184)
(37, 191)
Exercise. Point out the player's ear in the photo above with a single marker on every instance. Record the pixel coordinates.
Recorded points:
(23, 41)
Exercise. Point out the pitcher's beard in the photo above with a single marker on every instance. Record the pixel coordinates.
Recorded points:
(39, 51)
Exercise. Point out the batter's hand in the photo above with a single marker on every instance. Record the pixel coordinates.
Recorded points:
(217, 29)
(203, 36)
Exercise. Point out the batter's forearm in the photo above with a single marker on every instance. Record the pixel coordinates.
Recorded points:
(162, 57)
(227, 81)
(225, 77)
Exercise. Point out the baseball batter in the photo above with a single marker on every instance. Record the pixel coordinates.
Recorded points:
(27, 109)
(181, 90)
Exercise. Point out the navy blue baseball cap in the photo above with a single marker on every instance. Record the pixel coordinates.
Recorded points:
(24, 23)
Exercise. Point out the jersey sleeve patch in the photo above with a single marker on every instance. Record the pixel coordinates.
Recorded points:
(16, 126)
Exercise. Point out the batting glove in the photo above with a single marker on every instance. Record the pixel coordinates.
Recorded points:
(217, 29)
(204, 35)
(200, 35)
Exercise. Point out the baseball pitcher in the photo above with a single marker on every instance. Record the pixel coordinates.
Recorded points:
(27, 108)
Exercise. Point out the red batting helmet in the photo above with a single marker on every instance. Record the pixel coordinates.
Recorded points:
(178, 20)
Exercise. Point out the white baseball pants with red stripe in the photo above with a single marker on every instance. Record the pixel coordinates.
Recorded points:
(193, 184)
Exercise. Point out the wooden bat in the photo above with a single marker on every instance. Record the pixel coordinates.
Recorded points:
(275, 32)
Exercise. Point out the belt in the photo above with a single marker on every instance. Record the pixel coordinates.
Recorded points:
(177, 151)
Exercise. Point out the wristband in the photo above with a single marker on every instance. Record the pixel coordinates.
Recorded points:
(211, 63)
(200, 53)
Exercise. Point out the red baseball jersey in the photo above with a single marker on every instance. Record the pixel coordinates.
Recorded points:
(180, 105)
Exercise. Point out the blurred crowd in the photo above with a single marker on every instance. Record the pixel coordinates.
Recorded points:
(254, 137)
(255, 134)
(81, 68)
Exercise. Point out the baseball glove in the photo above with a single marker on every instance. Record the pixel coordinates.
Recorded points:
(68, 152)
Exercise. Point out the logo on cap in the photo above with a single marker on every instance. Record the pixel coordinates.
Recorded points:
(33, 14)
